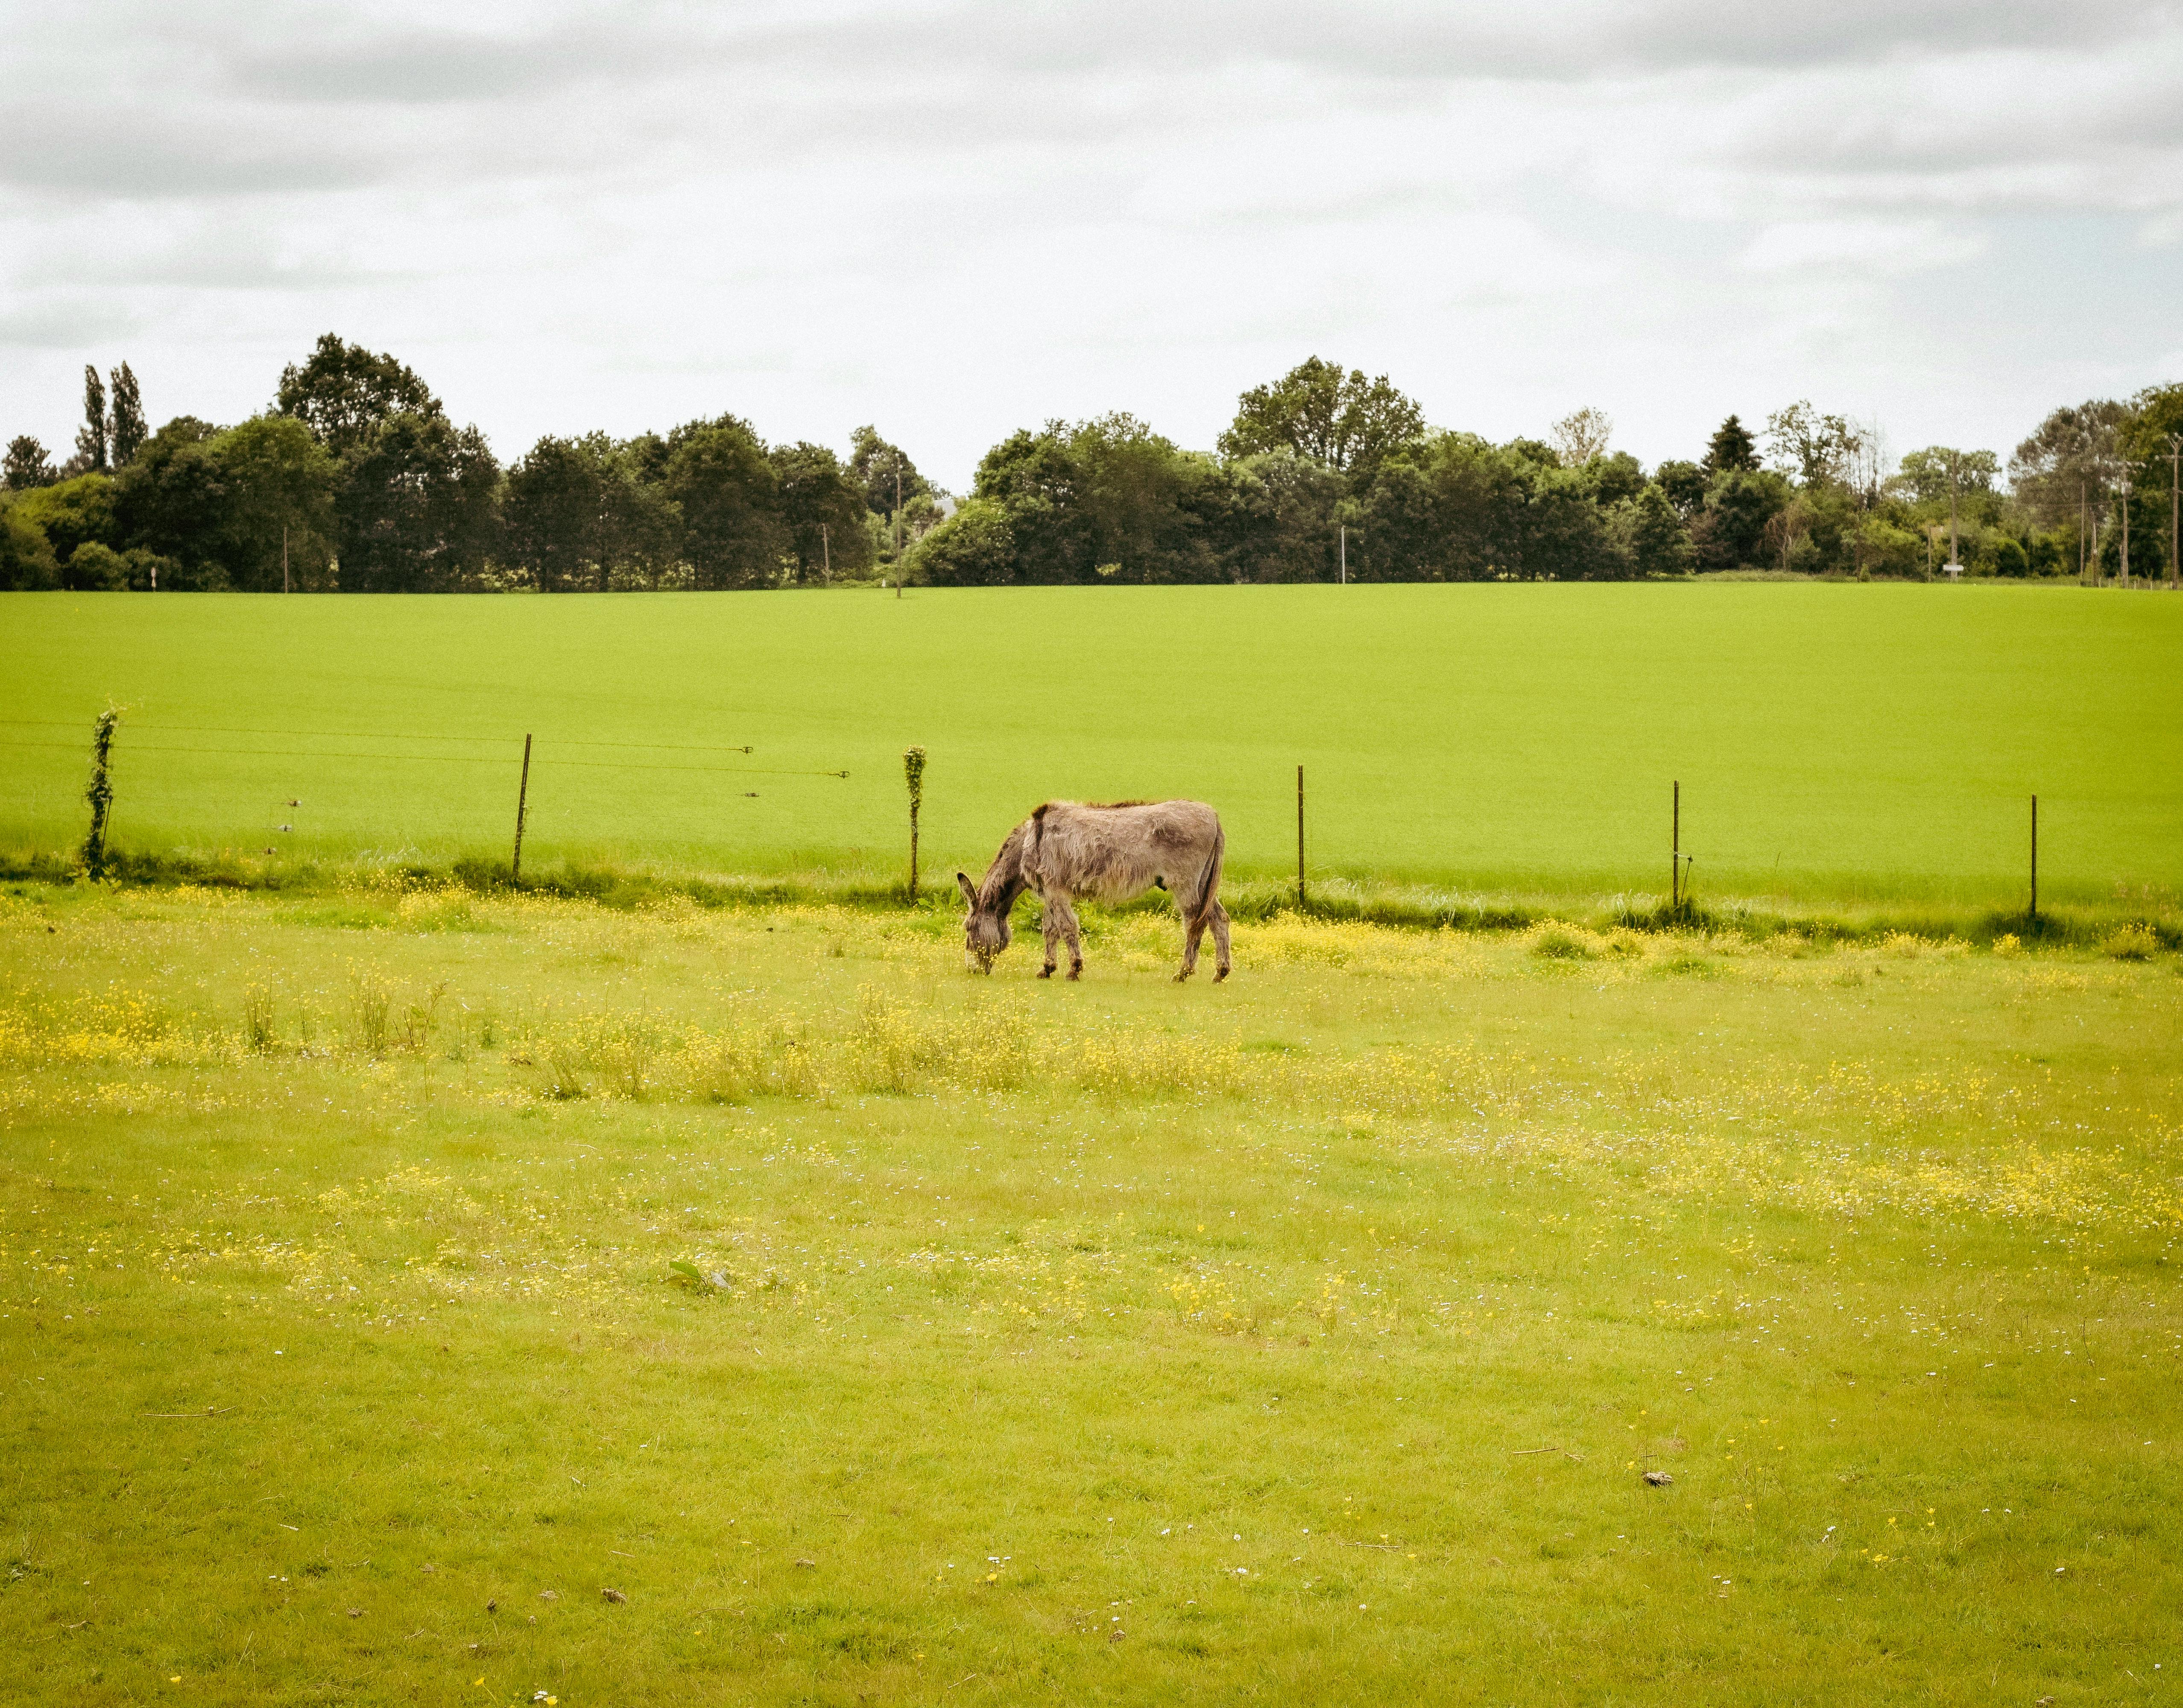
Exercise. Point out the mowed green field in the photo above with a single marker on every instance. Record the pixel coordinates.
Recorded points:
(1305, 1339)
(1833, 742)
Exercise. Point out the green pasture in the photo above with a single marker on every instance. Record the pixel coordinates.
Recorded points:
(387, 1276)
(1845, 742)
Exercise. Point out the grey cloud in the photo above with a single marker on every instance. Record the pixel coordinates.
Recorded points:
(152, 156)
(1393, 41)
(423, 68)
(65, 322)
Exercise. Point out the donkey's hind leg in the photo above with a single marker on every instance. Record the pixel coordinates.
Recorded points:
(1192, 931)
(1221, 963)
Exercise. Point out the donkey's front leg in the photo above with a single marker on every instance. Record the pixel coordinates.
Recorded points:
(1050, 915)
(1061, 917)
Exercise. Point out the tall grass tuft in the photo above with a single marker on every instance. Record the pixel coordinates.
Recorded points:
(257, 1020)
(370, 1007)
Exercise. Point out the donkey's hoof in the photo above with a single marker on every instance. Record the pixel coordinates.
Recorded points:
(1181, 976)
(1076, 971)
(1047, 971)
(1220, 975)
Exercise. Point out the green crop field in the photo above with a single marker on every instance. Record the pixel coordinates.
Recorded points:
(413, 1295)
(1833, 742)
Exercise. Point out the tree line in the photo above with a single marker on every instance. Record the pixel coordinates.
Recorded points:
(356, 479)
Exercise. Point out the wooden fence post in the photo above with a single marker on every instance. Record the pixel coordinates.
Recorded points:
(522, 803)
(2034, 915)
(1675, 848)
(1300, 901)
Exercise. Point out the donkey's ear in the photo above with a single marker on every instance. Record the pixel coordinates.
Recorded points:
(969, 890)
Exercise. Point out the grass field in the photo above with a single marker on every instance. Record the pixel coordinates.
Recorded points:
(1842, 743)
(1305, 1339)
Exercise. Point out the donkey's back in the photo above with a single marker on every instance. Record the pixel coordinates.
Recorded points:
(1116, 851)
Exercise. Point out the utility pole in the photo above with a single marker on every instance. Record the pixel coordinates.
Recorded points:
(2080, 533)
(826, 554)
(2174, 512)
(1345, 555)
(1955, 556)
(2125, 530)
(285, 585)
(897, 527)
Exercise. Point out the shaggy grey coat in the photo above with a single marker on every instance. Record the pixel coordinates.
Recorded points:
(1113, 851)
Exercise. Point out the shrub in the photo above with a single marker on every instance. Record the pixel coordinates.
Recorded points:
(96, 569)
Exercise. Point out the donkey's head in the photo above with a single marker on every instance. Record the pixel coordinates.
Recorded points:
(985, 929)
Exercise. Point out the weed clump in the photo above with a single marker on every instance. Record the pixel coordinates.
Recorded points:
(2131, 943)
(1557, 942)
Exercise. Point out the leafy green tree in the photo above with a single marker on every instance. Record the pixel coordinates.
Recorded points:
(974, 548)
(343, 392)
(418, 506)
(1815, 449)
(1132, 487)
(1611, 479)
(823, 511)
(1730, 532)
(1730, 448)
(2075, 458)
(27, 465)
(580, 514)
(277, 484)
(882, 472)
(730, 497)
(73, 512)
(1931, 476)
(171, 500)
(1298, 527)
(26, 556)
(1684, 485)
(1653, 533)
(90, 437)
(126, 417)
(1344, 420)
(1036, 477)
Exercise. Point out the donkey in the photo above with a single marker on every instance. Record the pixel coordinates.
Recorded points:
(1114, 850)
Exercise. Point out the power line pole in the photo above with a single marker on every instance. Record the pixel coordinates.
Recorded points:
(2174, 512)
(826, 554)
(1345, 556)
(2125, 530)
(1955, 556)
(285, 586)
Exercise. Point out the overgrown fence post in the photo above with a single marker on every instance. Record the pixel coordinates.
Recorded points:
(913, 771)
(100, 793)
(522, 805)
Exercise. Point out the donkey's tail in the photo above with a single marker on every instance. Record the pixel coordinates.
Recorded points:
(1210, 879)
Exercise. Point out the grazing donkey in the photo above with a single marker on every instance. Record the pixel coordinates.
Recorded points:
(1114, 850)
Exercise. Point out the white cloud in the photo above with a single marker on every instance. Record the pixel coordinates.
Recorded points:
(1877, 245)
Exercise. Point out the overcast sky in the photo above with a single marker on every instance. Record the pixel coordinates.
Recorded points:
(954, 219)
